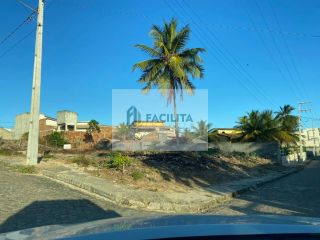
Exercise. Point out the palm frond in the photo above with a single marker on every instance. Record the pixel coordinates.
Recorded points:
(151, 51)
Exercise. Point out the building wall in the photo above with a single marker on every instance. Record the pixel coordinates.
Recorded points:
(67, 117)
(6, 134)
(78, 139)
(311, 136)
(46, 127)
(21, 125)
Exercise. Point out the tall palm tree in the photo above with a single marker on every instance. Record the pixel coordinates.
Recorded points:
(171, 64)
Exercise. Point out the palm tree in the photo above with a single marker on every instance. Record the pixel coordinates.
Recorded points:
(123, 131)
(288, 124)
(202, 128)
(93, 126)
(257, 127)
(171, 64)
(263, 127)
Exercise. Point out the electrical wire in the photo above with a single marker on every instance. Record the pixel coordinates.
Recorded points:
(219, 58)
(235, 62)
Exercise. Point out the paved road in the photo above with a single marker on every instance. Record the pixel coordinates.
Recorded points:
(28, 201)
(297, 194)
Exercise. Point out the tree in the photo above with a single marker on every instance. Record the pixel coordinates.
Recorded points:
(257, 127)
(202, 128)
(123, 131)
(93, 126)
(263, 127)
(188, 134)
(171, 64)
(56, 139)
(288, 124)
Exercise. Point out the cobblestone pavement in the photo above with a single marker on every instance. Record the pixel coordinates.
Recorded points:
(297, 194)
(29, 201)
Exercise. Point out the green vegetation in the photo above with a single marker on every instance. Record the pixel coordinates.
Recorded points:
(122, 131)
(119, 161)
(81, 160)
(93, 127)
(171, 64)
(24, 169)
(201, 130)
(137, 175)
(264, 126)
(112, 160)
(9, 152)
(56, 139)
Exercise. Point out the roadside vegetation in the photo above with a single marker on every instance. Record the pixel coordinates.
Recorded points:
(172, 171)
(266, 126)
(24, 169)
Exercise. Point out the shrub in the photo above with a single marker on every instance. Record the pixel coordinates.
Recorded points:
(81, 160)
(25, 169)
(119, 161)
(253, 155)
(56, 139)
(137, 175)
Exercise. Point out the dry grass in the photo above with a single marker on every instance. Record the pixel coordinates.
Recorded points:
(176, 171)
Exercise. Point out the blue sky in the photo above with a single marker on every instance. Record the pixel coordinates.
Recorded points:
(88, 51)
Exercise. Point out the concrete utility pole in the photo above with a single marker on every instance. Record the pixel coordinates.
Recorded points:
(314, 140)
(300, 111)
(33, 138)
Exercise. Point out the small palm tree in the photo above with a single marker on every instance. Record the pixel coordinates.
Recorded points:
(202, 128)
(171, 64)
(123, 131)
(93, 126)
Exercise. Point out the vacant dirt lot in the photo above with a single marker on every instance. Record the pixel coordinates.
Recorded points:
(176, 172)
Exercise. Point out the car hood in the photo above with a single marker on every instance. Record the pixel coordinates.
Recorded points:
(253, 224)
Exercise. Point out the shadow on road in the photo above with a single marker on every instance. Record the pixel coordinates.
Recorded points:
(297, 194)
(42, 213)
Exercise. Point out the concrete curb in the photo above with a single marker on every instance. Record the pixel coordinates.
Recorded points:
(153, 201)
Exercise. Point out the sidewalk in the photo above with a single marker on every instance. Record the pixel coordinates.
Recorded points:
(193, 201)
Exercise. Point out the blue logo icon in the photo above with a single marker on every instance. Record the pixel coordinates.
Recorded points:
(133, 115)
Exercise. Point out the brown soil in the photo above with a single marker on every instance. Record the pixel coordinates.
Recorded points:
(176, 172)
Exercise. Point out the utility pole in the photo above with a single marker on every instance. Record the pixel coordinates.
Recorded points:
(33, 138)
(300, 111)
(314, 139)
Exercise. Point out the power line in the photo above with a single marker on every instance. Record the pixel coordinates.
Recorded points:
(278, 68)
(237, 64)
(218, 54)
(289, 52)
(16, 44)
(260, 29)
(278, 49)
(27, 20)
